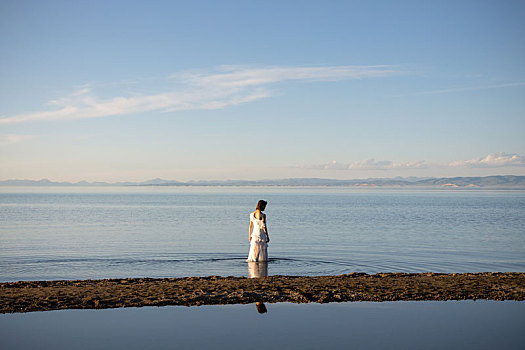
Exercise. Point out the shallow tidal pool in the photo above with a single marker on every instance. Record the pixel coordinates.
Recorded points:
(357, 325)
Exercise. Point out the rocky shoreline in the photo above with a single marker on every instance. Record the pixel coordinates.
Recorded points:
(27, 296)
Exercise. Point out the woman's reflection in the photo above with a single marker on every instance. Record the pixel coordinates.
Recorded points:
(261, 308)
(258, 269)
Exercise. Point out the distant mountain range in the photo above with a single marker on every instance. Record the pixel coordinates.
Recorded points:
(507, 181)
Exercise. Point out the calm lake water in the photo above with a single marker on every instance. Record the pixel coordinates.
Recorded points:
(79, 233)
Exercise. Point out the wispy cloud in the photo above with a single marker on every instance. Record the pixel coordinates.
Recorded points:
(369, 164)
(493, 160)
(216, 89)
(461, 89)
(10, 139)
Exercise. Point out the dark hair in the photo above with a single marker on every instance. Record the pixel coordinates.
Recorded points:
(261, 205)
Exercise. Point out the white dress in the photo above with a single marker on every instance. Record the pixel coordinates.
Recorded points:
(259, 242)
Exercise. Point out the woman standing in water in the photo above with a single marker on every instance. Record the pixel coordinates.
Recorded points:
(258, 234)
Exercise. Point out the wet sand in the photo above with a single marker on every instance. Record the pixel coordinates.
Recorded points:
(26, 296)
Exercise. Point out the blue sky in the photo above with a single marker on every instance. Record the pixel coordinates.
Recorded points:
(129, 90)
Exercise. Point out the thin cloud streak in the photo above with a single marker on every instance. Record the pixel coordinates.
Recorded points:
(472, 88)
(226, 86)
(493, 160)
(235, 76)
(10, 139)
(369, 164)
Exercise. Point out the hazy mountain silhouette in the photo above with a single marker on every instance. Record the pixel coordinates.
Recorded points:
(470, 182)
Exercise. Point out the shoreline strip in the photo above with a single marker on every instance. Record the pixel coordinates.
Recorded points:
(28, 296)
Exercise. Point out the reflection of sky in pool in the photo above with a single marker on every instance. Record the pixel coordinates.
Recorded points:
(362, 325)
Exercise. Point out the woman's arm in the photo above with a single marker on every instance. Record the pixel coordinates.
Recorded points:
(266, 228)
(251, 225)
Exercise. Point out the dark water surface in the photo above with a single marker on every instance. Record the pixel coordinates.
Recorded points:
(79, 233)
(389, 325)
